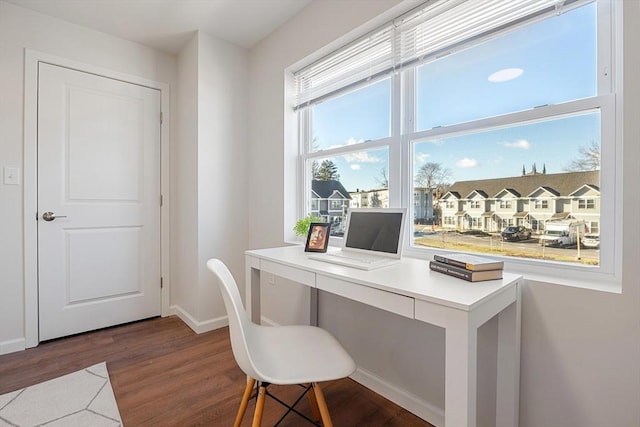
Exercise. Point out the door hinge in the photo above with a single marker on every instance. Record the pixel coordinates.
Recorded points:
(161, 117)
(161, 284)
(161, 200)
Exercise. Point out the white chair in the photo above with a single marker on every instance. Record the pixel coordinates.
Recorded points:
(280, 355)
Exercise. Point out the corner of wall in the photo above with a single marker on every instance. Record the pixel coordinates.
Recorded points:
(198, 327)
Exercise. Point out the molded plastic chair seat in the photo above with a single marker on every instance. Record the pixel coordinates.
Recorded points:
(280, 355)
(297, 354)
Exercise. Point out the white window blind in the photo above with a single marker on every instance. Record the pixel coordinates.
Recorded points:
(435, 28)
(359, 61)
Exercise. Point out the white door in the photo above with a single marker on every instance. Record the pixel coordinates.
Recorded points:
(98, 202)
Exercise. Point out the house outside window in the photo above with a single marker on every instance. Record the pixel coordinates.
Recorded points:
(450, 124)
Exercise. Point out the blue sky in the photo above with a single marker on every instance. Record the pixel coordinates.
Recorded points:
(545, 63)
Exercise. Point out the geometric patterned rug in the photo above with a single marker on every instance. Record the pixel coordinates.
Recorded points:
(80, 399)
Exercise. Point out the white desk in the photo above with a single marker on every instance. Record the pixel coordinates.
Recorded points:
(410, 289)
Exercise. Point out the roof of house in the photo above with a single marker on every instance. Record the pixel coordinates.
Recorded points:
(561, 183)
(324, 189)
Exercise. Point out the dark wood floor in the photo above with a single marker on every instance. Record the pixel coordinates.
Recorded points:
(163, 374)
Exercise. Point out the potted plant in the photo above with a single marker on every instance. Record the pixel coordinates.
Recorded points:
(302, 225)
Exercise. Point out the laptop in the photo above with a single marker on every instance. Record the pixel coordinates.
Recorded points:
(372, 239)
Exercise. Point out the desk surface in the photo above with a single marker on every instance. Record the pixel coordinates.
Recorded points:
(410, 277)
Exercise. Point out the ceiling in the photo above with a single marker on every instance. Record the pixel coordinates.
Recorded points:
(168, 24)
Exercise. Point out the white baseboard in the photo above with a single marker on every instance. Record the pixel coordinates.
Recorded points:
(199, 327)
(400, 397)
(266, 321)
(12, 346)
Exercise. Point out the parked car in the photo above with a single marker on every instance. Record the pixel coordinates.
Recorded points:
(590, 241)
(516, 233)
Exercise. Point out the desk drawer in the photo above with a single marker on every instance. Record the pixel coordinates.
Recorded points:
(296, 274)
(384, 300)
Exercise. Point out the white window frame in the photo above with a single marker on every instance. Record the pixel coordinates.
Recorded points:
(604, 277)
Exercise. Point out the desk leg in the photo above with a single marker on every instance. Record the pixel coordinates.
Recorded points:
(508, 381)
(313, 306)
(461, 361)
(252, 288)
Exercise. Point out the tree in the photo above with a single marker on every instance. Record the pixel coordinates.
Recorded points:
(326, 171)
(432, 176)
(383, 179)
(588, 158)
(375, 201)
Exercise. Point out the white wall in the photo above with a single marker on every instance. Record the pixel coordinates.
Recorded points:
(20, 29)
(184, 191)
(211, 177)
(208, 150)
(580, 348)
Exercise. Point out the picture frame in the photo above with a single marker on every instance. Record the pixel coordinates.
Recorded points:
(318, 237)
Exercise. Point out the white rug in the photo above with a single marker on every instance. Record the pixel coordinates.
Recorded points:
(81, 399)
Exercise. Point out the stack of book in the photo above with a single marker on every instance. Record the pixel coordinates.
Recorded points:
(471, 268)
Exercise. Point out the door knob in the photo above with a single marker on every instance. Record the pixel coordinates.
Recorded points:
(50, 216)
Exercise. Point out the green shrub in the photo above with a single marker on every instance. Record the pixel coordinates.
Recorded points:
(302, 225)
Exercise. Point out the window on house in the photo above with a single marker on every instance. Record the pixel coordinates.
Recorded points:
(505, 204)
(541, 204)
(336, 204)
(519, 102)
(586, 203)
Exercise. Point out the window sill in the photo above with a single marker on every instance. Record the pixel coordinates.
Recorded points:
(561, 275)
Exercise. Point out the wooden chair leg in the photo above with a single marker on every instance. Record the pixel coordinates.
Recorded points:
(322, 406)
(245, 400)
(257, 415)
(315, 411)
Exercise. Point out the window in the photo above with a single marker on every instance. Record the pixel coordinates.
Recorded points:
(352, 118)
(514, 107)
(541, 204)
(586, 204)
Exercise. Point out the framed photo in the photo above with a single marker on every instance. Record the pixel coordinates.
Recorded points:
(318, 237)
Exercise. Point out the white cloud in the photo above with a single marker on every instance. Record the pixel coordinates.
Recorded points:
(467, 163)
(521, 143)
(352, 141)
(355, 167)
(349, 141)
(360, 157)
(505, 75)
(422, 158)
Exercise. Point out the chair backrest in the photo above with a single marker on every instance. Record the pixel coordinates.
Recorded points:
(240, 326)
